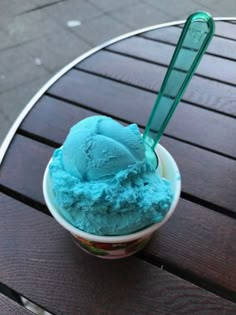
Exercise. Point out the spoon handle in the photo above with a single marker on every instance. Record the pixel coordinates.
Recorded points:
(193, 42)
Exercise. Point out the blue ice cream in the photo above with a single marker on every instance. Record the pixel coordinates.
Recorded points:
(102, 181)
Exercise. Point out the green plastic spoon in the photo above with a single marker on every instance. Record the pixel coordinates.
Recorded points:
(193, 42)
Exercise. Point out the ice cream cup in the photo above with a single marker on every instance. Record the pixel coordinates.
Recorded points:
(113, 247)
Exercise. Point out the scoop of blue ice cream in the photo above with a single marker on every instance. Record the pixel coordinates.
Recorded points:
(99, 147)
(103, 183)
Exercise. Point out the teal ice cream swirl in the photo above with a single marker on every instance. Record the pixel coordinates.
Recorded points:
(103, 183)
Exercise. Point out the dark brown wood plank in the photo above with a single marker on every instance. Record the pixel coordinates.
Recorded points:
(217, 96)
(50, 265)
(102, 95)
(40, 123)
(131, 104)
(204, 174)
(9, 307)
(204, 128)
(23, 167)
(226, 30)
(161, 53)
(219, 46)
(199, 242)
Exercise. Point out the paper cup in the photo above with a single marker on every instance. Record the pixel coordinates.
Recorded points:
(113, 247)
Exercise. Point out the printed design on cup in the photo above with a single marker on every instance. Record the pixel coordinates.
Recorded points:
(111, 250)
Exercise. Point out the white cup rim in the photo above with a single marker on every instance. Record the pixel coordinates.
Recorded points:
(163, 155)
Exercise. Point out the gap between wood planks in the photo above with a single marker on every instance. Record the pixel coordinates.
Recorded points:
(188, 276)
(172, 44)
(138, 87)
(22, 301)
(164, 65)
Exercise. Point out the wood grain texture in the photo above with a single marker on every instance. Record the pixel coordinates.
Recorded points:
(129, 103)
(157, 52)
(207, 93)
(204, 128)
(189, 123)
(47, 267)
(204, 174)
(218, 46)
(226, 30)
(216, 226)
(40, 123)
(103, 95)
(23, 167)
(9, 307)
(206, 239)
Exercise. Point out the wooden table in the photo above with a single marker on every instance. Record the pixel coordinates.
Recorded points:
(190, 265)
